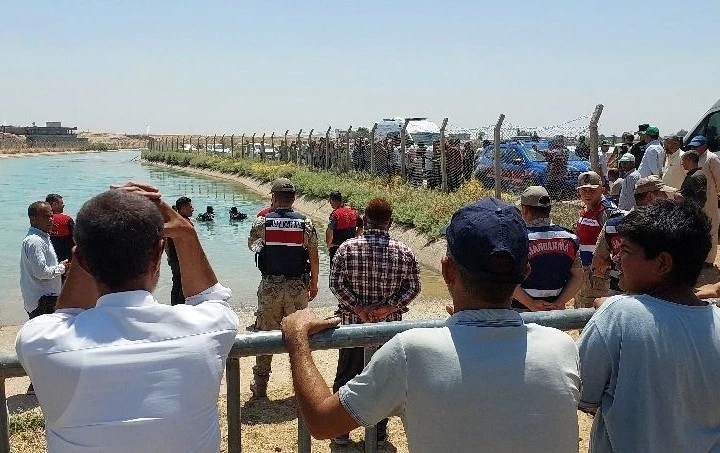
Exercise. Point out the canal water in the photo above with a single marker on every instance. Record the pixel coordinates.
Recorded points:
(77, 177)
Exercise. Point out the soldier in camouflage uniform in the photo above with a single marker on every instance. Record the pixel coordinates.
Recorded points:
(286, 247)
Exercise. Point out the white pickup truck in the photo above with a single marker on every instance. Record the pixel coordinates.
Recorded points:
(709, 126)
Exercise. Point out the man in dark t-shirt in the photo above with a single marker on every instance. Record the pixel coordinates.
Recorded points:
(184, 207)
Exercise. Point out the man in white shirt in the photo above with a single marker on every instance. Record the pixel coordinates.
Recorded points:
(673, 172)
(40, 272)
(603, 154)
(485, 382)
(710, 164)
(113, 369)
(652, 161)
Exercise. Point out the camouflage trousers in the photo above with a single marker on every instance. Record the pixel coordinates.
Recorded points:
(277, 298)
(592, 288)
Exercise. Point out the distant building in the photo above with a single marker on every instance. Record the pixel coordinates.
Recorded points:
(49, 136)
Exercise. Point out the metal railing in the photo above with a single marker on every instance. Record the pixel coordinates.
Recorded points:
(264, 343)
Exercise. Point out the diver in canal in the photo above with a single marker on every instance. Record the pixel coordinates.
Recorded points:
(236, 215)
(207, 216)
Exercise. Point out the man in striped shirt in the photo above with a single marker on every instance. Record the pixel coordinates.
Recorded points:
(374, 278)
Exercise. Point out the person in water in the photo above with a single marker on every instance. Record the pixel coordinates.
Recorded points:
(207, 216)
(236, 215)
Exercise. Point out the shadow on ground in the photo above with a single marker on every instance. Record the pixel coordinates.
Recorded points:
(354, 447)
(262, 411)
(22, 403)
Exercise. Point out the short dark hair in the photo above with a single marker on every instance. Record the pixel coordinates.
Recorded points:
(614, 172)
(680, 229)
(285, 197)
(378, 211)
(692, 155)
(182, 201)
(539, 210)
(53, 197)
(335, 195)
(484, 289)
(35, 207)
(117, 233)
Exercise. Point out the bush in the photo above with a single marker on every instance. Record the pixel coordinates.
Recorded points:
(416, 207)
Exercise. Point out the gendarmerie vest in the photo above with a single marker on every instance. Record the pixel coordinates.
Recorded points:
(589, 228)
(284, 252)
(613, 239)
(552, 252)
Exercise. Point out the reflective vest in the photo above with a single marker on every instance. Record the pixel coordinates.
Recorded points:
(589, 228)
(345, 224)
(61, 225)
(552, 252)
(284, 252)
(613, 239)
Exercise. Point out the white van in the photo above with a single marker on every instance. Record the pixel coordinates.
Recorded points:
(709, 126)
(420, 130)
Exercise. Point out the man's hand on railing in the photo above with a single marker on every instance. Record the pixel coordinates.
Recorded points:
(303, 323)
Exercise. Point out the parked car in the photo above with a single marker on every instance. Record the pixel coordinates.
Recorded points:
(189, 147)
(709, 126)
(218, 148)
(522, 164)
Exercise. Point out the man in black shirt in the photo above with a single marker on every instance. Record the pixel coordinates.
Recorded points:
(184, 207)
(638, 149)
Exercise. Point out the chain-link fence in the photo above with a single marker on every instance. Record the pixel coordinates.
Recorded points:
(424, 153)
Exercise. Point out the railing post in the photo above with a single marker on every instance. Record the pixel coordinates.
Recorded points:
(304, 441)
(498, 173)
(4, 421)
(594, 120)
(348, 158)
(372, 149)
(443, 159)
(232, 377)
(371, 432)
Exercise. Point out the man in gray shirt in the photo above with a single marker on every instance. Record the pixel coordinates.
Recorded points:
(40, 272)
(649, 360)
(486, 381)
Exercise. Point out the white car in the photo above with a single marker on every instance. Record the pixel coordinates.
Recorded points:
(218, 148)
(270, 152)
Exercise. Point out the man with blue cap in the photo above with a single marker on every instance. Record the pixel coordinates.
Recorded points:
(710, 164)
(484, 379)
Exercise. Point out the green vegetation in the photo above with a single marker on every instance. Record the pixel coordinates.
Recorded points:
(95, 146)
(420, 208)
(21, 422)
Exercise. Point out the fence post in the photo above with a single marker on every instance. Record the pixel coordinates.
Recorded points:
(594, 120)
(309, 162)
(262, 147)
(232, 145)
(242, 146)
(232, 376)
(348, 156)
(297, 151)
(443, 158)
(327, 148)
(372, 149)
(183, 143)
(285, 155)
(403, 148)
(272, 144)
(206, 143)
(252, 150)
(498, 173)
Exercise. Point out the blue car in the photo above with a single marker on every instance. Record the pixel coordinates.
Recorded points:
(522, 164)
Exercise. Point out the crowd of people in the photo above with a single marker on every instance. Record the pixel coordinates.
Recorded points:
(114, 370)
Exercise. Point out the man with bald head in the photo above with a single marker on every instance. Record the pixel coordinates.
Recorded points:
(114, 370)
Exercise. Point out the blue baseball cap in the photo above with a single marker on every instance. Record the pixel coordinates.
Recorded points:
(698, 140)
(481, 229)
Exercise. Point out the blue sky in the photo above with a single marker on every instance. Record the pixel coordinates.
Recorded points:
(264, 66)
